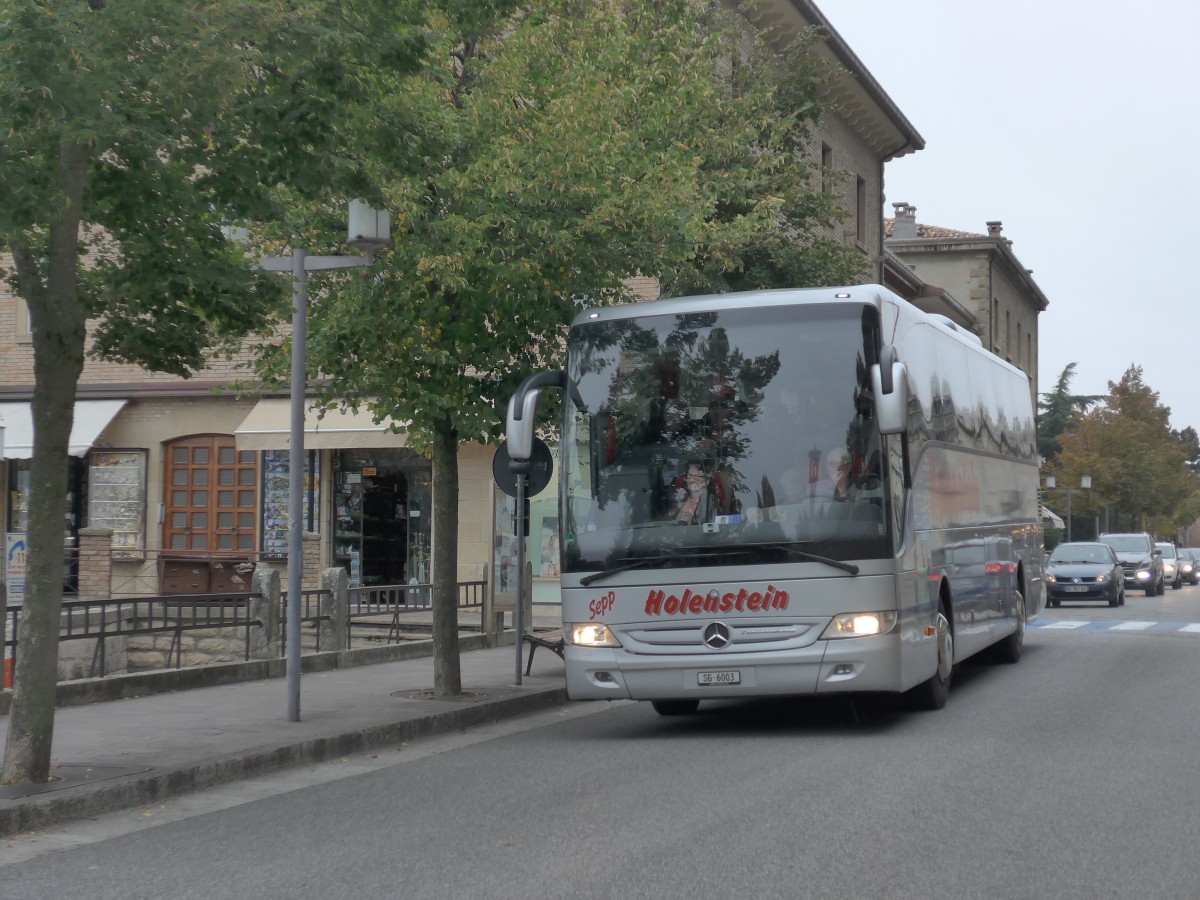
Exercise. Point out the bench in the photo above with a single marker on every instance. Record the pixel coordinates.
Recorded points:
(551, 640)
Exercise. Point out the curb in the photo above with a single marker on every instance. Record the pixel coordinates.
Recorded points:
(45, 810)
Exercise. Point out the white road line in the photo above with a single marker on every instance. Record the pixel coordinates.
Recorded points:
(1132, 626)
(1194, 627)
(1067, 625)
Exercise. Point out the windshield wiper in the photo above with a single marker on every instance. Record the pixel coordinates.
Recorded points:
(810, 557)
(651, 560)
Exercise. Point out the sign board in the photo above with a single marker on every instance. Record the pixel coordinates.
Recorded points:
(540, 470)
(15, 567)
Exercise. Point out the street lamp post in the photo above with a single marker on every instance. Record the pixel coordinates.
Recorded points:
(1085, 483)
(368, 231)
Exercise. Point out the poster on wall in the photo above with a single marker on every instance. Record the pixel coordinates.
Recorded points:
(550, 539)
(276, 500)
(15, 567)
(506, 545)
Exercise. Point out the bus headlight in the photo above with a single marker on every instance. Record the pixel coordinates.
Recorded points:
(590, 634)
(862, 624)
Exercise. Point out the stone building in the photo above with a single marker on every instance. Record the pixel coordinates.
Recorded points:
(975, 279)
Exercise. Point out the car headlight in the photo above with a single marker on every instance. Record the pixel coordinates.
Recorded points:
(590, 634)
(1100, 579)
(860, 624)
(1050, 579)
(1144, 574)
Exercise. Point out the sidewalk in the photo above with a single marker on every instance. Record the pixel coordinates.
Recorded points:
(119, 754)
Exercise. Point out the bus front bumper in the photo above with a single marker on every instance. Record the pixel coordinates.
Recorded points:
(853, 664)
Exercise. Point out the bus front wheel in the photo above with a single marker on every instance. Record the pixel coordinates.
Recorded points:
(932, 694)
(675, 707)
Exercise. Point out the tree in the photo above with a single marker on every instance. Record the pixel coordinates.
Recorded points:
(565, 148)
(133, 132)
(1058, 407)
(1138, 467)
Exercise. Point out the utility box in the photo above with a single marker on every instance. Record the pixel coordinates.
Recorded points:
(193, 575)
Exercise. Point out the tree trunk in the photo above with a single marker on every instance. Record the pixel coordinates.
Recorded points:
(447, 676)
(59, 327)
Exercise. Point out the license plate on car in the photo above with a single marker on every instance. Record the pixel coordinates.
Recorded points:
(727, 677)
(1075, 588)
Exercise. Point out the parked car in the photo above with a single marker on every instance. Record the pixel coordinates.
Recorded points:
(1170, 560)
(1189, 565)
(1140, 559)
(1085, 571)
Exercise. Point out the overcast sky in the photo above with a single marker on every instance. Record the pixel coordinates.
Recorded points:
(1077, 126)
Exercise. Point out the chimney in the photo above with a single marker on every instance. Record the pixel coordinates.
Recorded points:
(994, 228)
(904, 227)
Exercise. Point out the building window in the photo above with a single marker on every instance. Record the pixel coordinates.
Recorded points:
(860, 209)
(117, 498)
(211, 495)
(24, 333)
(826, 169)
(276, 491)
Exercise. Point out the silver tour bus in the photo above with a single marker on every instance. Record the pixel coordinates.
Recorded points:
(787, 492)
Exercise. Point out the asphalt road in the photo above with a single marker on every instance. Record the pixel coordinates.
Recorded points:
(1071, 774)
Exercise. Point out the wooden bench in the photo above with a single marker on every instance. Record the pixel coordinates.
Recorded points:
(551, 640)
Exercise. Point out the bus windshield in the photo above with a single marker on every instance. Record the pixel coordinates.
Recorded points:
(728, 437)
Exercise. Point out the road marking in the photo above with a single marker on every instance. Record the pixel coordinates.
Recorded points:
(1102, 625)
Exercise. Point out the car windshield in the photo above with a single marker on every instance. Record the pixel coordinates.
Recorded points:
(1168, 550)
(1126, 543)
(1079, 553)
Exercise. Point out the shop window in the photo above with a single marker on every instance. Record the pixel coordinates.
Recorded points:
(19, 471)
(382, 501)
(211, 495)
(276, 502)
(117, 498)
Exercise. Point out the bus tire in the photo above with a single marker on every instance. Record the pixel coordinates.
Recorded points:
(675, 707)
(1008, 650)
(932, 694)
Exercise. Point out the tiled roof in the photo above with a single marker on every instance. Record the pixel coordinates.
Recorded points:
(931, 231)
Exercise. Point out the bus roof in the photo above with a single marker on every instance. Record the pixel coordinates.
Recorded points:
(861, 294)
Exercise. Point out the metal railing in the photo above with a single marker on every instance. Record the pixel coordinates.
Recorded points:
(99, 620)
(310, 614)
(398, 600)
(177, 614)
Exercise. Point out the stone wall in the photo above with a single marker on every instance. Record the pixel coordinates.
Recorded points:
(198, 648)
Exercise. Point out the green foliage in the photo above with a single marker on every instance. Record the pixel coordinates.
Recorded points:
(1057, 408)
(1138, 465)
(559, 152)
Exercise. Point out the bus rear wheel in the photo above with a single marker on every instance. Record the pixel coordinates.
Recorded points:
(675, 707)
(932, 694)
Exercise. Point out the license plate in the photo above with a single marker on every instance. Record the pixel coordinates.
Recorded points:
(728, 677)
(1075, 588)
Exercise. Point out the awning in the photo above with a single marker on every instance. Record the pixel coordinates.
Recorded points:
(1049, 519)
(269, 427)
(91, 418)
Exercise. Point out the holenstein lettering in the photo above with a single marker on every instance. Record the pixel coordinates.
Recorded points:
(696, 602)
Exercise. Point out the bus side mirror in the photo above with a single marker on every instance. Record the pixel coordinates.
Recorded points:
(889, 382)
(519, 434)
